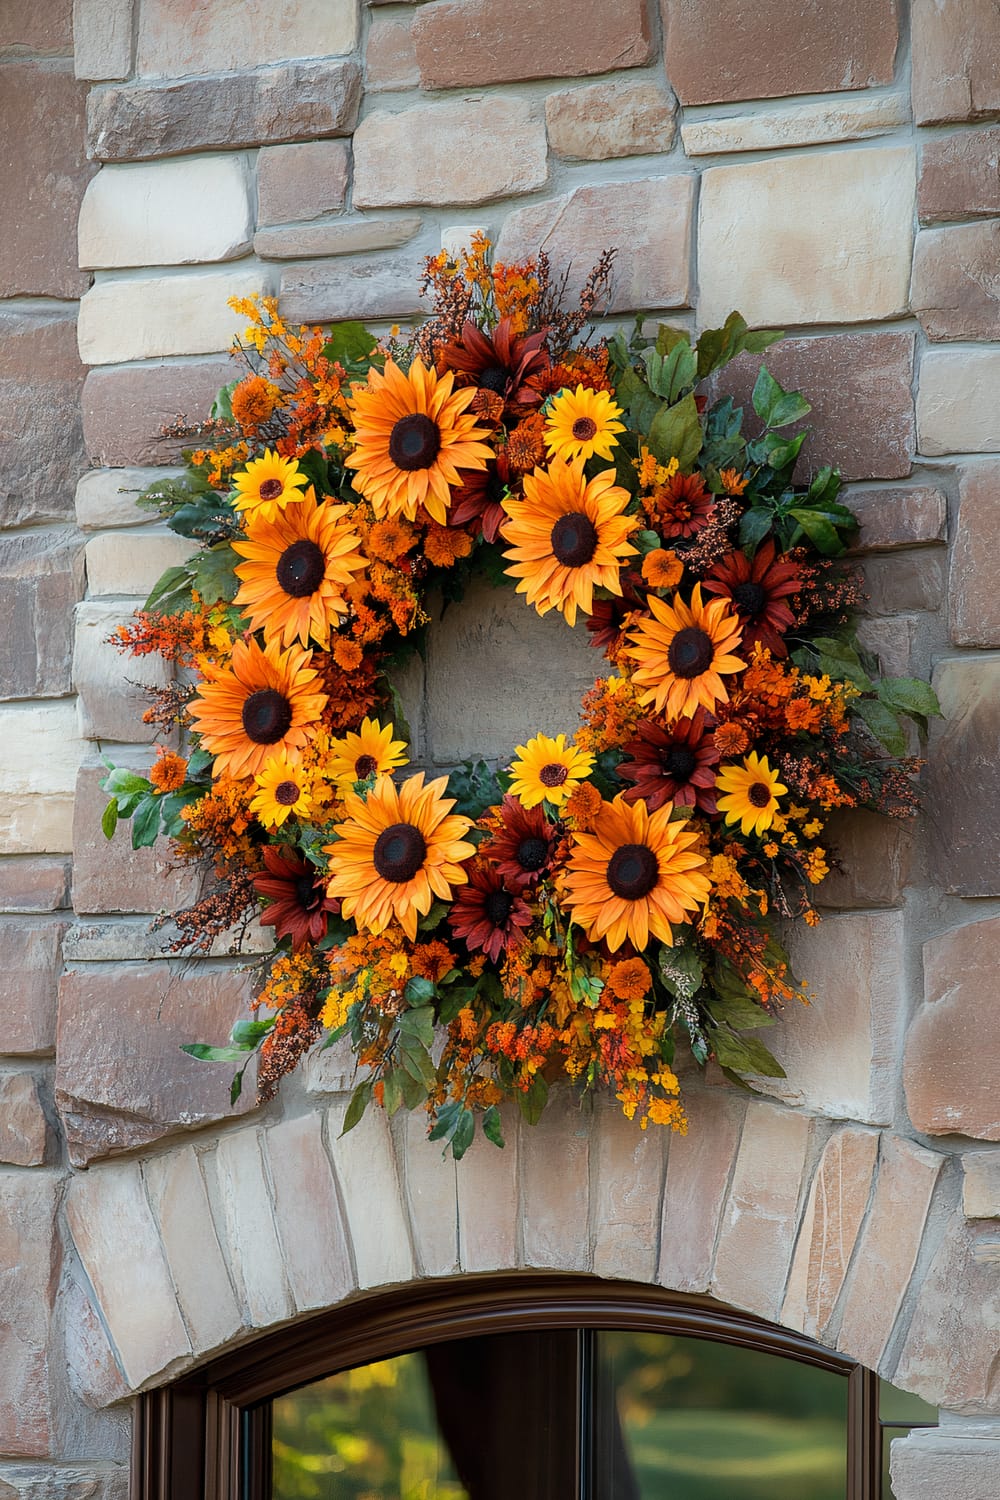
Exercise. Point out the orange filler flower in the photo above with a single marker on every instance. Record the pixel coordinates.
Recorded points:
(683, 652)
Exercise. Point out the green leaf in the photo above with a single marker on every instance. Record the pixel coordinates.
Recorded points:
(392, 1097)
(205, 1053)
(417, 1023)
(819, 531)
(754, 526)
(646, 541)
(841, 659)
(222, 406)
(781, 454)
(109, 819)
(465, 1130)
(349, 343)
(717, 346)
(119, 779)
(419, 991)
(908, 695)
(633, 392)
(248, 1033)
(882, 722)
(236, 1087)
(739, 1012)
(775, 406)
(744, 1054)
(445, 1121)
(213, 576)
(681, 970)
(671, 375)
(675, 432)
(825, 487)
(492, 1126)
(415, 1058)
(668, 338)
(146, 823)
(171, 592)
(360, 1100)
(533, 1102)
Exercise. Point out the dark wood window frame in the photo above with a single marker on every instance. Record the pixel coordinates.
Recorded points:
(207, 1436)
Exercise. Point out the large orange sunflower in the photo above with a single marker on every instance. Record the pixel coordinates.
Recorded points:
(396, 851)
(298, 564)
(569, 536)
(265, 703)
(635, 875)
(412, 435)
(683, 652)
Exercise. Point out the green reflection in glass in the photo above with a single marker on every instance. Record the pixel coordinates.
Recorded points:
(895, 1405)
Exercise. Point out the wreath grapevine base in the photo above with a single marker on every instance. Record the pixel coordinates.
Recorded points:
(607, 896)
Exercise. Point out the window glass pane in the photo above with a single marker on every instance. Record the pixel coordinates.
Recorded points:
(693, 1420)
(895, 1405)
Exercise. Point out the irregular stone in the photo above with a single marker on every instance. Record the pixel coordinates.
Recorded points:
(430, 1191)
(955, 60)
(129, 939)
(250, 1235)
(950, 1355)
(102, 38)
(24, 1131)
(331, 1070)
(111, 876)
(107, 497)
(179, 1200)
(757, 1231)
(376, 1225)
(110, 683)
(951, 1068)
(981, 1185)
(887, 1248)
(167, 213)
(503, 41)
(41, 579)
(956, 285)
(121, 1079)
(849, 259)
(960, 175)
(91, 1368)
(488, 1200)
(893, 640)
(391, 56)
(288, 242)
(44, 171)
(796, 125)
(33, 885)
(117, 1240)
(859, 387)
(874, 855)
(698, 1168)
(30, 964)
(307, 1214)
(130, 564)
(132, 122)
(27, 28)
(29, 1254)
(836, 1206)
(304, 181)
(555, 1185)
(956, 412)
(41, 441)
(42, 751)
(892, 518)
(157, 315)
(382, 286)
(628, 1189)
(124, 411)
(609, 119)
(649, 221)
(908, 581)
(928, 1463)
(963, 778)
(973, 592)
(230, 34)
(64, 1482)
(421, 154)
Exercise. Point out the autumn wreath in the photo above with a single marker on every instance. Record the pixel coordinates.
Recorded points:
(609, 893)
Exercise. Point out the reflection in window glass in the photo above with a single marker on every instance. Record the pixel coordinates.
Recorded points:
(899, 1411)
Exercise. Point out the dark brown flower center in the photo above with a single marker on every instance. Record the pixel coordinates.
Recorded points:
(365, 766)
(584, 428)
(414, 442)
(495, 379)
(286, 793)
(759, 794)
(271, 489)
(301, 568)
(750, 599)
(690, 652)
(679, 762)
(307, 894)
(267, 716)
(553, 774)
(497, 907)
(574, 539)
(532, 852)
(632, 871)
(399, 852)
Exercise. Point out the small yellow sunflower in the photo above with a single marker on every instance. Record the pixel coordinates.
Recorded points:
(683, 652)
(266, 702)
(282, 789)
(581, 423)
(567, 536)
(396, 851)
(267, 485)
(752, 791)
(548, 770)
(297, 566)
(412, 435)
(370, 751)
(635, 875)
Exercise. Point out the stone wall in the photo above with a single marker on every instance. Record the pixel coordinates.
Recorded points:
(831, 169)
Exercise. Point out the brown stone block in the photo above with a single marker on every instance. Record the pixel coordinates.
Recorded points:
(121, 1079)
(27, 27)
(30, 964)
(41, 579)
(24, 1130)
(698, 1169)
(462, 42)
(303, 181)
(874, 855)
(974, 580)
(956, 282)
(125, 410)
(41, 440)
(336, 237)
(951, 1068)
(956, 60)
(114, 877)
(604, 120)
(29, 1253)
(731, 50)
(904, 582)
(981, 1184)
(34, 883)
(859, 387)
(963, 778)
(960, 175)
(352, 286)
(891, 638)
(391, 55)
(892, 518)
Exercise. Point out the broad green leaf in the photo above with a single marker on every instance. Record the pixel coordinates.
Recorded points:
(754, 526)
(392, 1096)
(360, 1100)
(775, 406)
(909, 695)
(681, 970)
(633, 392)
(465, 1130)
(882, 722)
(819, 531)
(171, 592)
(212, 575)
(717, 346)
(671, 375)
(146, 823)
(419, 991)
(349, 343)
(780, 454)
(445, 1121)
(668, 338)
(744, 1054)
(205, 1053)
(248, 1033)
(533, 1102)
(493, 1126)
(646, 541)
(120, 779)
(824, 487)
(222, 406)
(415, 1058)
(675, 432)
(109, 819)
(418, 1023)
(739, 1012)
(236, 1087)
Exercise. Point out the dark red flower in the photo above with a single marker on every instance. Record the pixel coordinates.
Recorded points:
(522, 849)
(501, 362)
(478, 500)
(681, 507)
(607, 618)
(298, 902)
(758, 591)
(486, 915)
(672, 765)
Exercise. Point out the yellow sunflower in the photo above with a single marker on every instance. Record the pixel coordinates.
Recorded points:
(548, 770)
(396, 851)
(683, 652)
(371, 751)
(264, 703)
(298, 565)
(568, 536)
(267, 485)
(581, 423)
(634, 875)
(412, 435)
(282, 789)
(752, 791)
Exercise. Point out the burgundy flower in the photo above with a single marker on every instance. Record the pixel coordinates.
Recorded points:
(607, 618)
(479, 499)
(501, 362)
(672, 765)
(522, 849)
(486, 915)
(758, 590)
(298, 902)
(681, 507)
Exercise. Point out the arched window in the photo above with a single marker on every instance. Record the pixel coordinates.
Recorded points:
(536, 1387)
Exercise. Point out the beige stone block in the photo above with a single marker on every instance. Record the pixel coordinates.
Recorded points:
(173, 40)
(391, 55)
(974, 579)
(117, 1240)
(102, 38)
(29, 1254)
(956, 283)
(698, 1168)
(65, 1482)
(928, 1463)
(960, 175)
(555, 1184)
(963, 811)
(818, 238)
(92, 1370)
(179, 1200)
(622, 117)
(488, 1182)
(893, 639)
(909, 581)
(812, 124)
(956, 53)
(307, 1214)
(956, 407)
(887, 1248)
(757, 1230)
(111, 684)
(107, 497)
(303, 181)
(353, 286)
(24, 1131)
(128, 564)
(148, 316)
(627, 1192)
(331, 1070)
(43, 751)
(111, 876)
(981, 1184)
(167, 213)
(292, 241)
(376, 1224)
(835, 1208)
(421, 155)
(891, 518)
(430, 1191)
(250, 1237)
